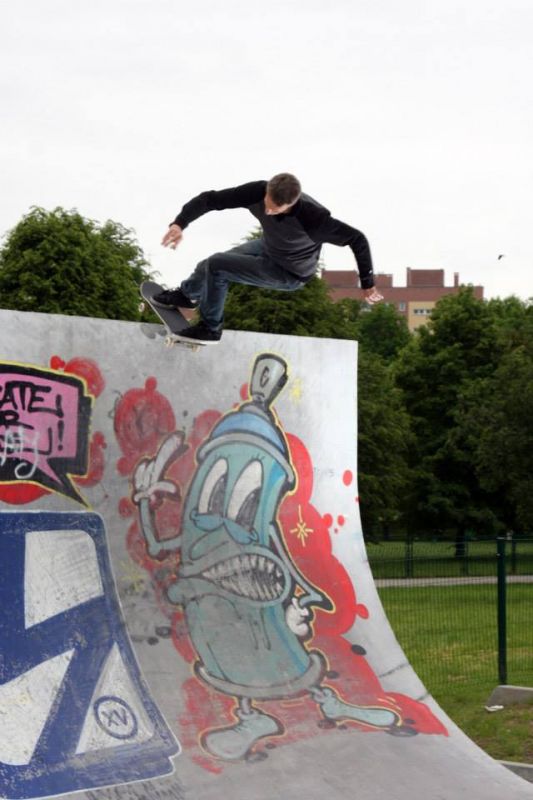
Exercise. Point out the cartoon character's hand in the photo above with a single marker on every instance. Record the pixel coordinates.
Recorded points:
(295, 617)
(148, 480)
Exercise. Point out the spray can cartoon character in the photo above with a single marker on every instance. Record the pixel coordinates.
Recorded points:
(247, 607)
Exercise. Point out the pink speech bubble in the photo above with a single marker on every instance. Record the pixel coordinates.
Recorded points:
(44, 427)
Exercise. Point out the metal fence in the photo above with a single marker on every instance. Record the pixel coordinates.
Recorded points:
(462, 615)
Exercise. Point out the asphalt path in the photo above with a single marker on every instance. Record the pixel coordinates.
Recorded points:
(408, 583)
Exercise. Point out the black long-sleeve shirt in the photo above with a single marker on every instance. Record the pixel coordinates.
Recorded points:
(292, 240)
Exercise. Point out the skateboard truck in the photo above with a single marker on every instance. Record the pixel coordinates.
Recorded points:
(172, 319)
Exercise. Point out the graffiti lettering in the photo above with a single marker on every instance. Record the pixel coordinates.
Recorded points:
(26, 396)
(44, 425)
(112, 712)
(16, 442)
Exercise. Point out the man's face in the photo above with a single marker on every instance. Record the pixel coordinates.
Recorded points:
(271, 208)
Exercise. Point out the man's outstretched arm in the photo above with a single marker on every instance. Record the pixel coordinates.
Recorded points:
(237, 197)
(332, 231)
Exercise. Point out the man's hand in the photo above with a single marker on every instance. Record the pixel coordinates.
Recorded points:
(172, 237)
(372, 296)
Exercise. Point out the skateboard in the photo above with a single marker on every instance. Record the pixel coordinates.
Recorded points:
(173, 320)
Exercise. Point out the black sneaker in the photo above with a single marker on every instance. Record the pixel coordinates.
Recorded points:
(173, 298)
(199, 334)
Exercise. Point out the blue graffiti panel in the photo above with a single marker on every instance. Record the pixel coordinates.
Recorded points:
(75, 711)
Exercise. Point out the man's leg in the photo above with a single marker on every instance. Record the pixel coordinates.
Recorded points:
(194, 286)
(247, 264)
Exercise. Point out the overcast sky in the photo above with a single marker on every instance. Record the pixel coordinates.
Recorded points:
(412, 121)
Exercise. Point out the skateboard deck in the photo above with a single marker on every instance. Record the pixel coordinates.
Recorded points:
(173, 320)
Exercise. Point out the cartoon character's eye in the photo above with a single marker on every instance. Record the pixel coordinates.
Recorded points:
(212, 495)
(246, 494)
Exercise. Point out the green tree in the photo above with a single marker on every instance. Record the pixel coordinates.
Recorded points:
(384, 441)
(458, 346)
(306, 312)
(495, 418)
(59, 262)
(382, 330)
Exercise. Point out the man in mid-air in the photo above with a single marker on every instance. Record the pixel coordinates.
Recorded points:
(285, 257)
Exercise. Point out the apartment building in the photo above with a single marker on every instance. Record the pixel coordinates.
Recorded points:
(415, 300)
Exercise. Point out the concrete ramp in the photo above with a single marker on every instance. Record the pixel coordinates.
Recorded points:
(186, 608)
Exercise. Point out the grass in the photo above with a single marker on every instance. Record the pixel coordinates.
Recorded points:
(449, 634)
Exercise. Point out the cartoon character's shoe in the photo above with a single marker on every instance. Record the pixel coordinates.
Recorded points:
(336, 710)
(236, 741)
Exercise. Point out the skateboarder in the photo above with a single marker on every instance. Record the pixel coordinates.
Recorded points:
(285, 257)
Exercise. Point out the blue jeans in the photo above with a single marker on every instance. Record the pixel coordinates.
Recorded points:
(248, 263)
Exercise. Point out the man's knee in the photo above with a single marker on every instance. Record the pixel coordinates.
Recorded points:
(217, 262)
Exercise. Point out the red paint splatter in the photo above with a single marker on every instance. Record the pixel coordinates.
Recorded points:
(313, 556)
(347, 478)
(126, 507)
(21, 493)
(328, 520)
(142, 418)
(84, 368)
(244, 392)
(340, 520)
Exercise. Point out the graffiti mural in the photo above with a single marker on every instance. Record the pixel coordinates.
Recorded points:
(258, 603)
(75, 710)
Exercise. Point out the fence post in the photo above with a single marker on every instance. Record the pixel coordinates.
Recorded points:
(465, 565)
(409, 544)
(502, 611)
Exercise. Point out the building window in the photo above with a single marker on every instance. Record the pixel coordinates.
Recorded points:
(401, 306)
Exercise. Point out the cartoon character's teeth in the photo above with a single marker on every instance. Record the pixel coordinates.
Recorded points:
(271, 594)
(249, 575)
(262, 591)
(250, 589)
(231, 584)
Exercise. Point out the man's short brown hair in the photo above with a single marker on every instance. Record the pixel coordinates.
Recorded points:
(284, 189)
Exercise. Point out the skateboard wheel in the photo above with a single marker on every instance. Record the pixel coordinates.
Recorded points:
(142, 307)
(169, 341)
